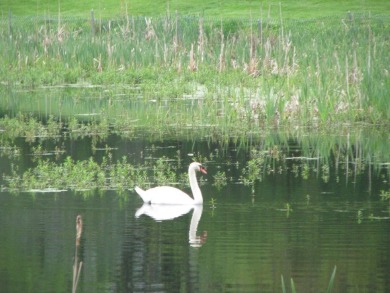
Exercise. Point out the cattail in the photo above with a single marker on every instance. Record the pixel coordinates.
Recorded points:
(192, 65)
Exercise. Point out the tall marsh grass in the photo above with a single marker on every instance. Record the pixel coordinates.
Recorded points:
(311, 72)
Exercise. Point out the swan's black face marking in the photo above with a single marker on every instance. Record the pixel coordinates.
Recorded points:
(202, 169)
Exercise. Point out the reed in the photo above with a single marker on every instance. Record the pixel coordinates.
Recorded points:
(314, 72)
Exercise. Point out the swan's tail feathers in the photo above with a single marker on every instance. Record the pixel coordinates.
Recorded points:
(143, 194)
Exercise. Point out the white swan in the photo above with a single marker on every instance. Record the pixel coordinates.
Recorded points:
(173, 196)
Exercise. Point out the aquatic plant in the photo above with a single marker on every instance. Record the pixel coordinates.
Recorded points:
(306, 154)
(122, 175)
(30, 127)
(254, 169)
(220, 179)
(213, 203)
(84, 175)
(163, 172)
(385, 195)
(80, 175)
(9, 150)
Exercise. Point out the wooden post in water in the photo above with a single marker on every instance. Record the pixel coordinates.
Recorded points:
(77, 264)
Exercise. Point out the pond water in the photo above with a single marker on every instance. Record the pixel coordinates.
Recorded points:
(276, 205)
(241, 245)
(243, 239)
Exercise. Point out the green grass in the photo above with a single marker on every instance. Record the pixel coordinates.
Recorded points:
(180, 72)
(314, 73)
(229, 8)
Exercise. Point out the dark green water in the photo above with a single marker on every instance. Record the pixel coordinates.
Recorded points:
(244, 244)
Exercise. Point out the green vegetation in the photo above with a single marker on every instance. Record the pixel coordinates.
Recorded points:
(53, 168)
(291, 9)
(227, 80)
(220, 179)
(277, 73)
(259, 78)
(385, 195)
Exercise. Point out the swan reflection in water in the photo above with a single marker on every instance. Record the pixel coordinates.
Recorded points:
(168, 212)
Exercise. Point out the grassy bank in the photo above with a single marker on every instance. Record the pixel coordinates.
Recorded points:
(229, 8)
(315, 72)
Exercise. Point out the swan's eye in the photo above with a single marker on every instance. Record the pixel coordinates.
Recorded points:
(202, 169)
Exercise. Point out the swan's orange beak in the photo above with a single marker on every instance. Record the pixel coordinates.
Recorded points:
(203, 170)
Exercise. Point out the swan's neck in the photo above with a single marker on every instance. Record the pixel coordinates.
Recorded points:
(196, 193)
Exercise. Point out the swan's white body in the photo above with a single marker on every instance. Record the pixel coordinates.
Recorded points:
(172, 196)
